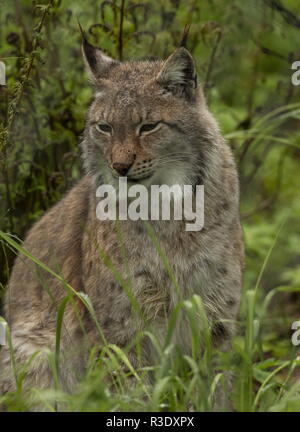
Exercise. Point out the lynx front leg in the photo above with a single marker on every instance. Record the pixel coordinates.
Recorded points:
(33, 353)
(7, 381)
(31, 368)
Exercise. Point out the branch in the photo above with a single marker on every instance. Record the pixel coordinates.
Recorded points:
(14, 103)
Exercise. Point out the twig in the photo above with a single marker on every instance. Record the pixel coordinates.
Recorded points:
(287, 15)
(120, 38)
(20, 86)
(211, 62)
(262, 206)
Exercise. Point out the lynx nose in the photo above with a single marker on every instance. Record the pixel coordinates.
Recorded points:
(121, 168)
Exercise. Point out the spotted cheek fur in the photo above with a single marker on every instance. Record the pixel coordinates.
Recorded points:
(142, 168)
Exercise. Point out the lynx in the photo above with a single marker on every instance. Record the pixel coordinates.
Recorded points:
(149, 122)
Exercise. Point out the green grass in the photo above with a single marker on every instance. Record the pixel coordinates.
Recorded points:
(42, 115)
(180, 382)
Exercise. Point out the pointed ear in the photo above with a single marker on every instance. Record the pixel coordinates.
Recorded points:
(178, 74)
(96, 61)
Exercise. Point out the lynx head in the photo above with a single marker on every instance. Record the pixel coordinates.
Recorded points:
(147, 120)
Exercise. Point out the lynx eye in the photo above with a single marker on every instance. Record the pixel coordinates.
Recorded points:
(104, 128)
(148, 127)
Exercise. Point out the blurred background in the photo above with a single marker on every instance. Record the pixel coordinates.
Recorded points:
(244, 53)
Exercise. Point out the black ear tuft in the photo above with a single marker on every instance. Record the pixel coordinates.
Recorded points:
(185, 36)
(81, 29)
(97, 62)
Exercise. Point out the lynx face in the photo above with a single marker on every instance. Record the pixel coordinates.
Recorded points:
(144, 119)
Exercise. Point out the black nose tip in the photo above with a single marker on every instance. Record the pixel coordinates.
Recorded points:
(121, 168)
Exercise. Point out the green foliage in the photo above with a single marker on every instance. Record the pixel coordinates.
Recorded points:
(244, 51)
